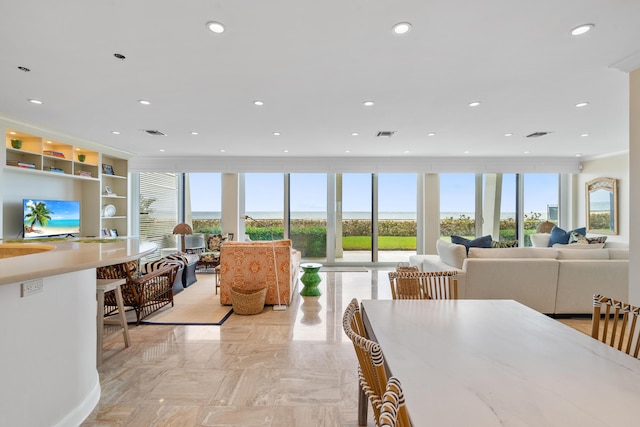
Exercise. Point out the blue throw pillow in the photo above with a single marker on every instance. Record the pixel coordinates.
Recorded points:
(558, 235)
(480, 242)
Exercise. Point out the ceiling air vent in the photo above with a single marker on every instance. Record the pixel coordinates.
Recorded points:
(154, 132)
(385, 133)
(537, 134)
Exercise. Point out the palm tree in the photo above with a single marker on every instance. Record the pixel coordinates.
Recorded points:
(39, 214)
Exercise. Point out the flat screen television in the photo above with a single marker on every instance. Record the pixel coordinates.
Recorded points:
(45, 218)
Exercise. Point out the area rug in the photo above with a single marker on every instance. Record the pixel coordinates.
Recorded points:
(196, 305)
(345, 269)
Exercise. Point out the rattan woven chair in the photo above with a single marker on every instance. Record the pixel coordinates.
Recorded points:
(423, 284)
(144, 293)
(545, 227)
(372, 374)
(618, 328)
(392, 401)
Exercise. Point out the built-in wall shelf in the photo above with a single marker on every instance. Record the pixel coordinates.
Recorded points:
(80, 174)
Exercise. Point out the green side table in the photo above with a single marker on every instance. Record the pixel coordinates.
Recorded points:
(310, 279)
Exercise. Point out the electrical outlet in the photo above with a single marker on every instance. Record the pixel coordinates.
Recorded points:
(31, 287)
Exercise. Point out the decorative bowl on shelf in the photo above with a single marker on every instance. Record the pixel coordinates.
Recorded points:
(16, 143)
(82, 157)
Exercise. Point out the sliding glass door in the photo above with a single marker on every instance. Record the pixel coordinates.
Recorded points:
(308, 214)
(354, 230)
(396, 216)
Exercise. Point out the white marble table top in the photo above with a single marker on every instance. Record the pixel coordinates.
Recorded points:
(500, 363)
(71, 256)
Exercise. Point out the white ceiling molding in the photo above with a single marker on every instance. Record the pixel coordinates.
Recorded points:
(628, 64)
(356, 164)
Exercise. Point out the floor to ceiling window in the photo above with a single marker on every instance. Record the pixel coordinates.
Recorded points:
(541, 195)
(354, 231)
(457, 205)
(158, 209)
(308, 214)
(397, 216)
(203, 195)
(264, 204)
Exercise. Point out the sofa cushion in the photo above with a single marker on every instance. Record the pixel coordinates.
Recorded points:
(451, 253)
(480, 242)
(547, 253)
(558, 235)
(540, 240)
(579, 246)
(618, 253)
(582, 254)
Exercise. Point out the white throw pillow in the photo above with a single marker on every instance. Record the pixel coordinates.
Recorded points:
(540, 240)
(451, 253)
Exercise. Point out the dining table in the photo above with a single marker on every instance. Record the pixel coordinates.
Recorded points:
(500, 363)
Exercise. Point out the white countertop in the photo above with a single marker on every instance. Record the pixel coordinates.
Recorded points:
(71, 256)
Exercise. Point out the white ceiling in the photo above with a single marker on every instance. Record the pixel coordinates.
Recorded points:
(313, 63)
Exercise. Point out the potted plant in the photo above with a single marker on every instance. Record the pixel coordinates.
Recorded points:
(16, 143)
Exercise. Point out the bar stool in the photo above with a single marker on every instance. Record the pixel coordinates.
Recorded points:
(102, 286)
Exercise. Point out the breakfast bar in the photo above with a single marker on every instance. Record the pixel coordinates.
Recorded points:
(48, 320)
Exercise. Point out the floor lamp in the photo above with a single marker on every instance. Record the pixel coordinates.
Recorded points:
(280, 306)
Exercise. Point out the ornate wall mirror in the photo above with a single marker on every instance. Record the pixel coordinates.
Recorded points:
(602, 206)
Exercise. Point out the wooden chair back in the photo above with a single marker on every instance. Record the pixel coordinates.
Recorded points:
(392, 401)
(423, 284)
(617, 326)
(372, 372)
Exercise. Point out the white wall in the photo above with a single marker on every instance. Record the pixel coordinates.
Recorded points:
(610, 167)
(634, 191)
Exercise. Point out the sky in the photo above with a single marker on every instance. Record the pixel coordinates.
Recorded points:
(397, 192)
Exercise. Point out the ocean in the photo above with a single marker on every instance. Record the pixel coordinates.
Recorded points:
(347, 215)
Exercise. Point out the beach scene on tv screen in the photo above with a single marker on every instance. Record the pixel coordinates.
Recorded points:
(51, 217)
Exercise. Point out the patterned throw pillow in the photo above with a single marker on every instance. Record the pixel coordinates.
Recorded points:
(595, 240)
(558, 235)
(576, 237)
(504, 244)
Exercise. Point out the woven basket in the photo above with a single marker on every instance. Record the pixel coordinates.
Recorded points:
(248, 301)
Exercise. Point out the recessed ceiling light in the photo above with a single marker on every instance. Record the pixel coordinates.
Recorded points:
(285, 151)
(474, 104)
(194, 133)
(467, 152)
(258, 103)
(276, 134)
(527, 152)
(406, 151)
(49, 141)
(508, 134)
(12, 133)
(25, 69)
(215, 27)
(581, 29)
(431, 134)
(35, 101)
(402, 28)
(584, 134)
(347, 151)
(368, 103)
(222, 150)
(582, 104)
(162, 150)
(579, 155)
(354, 134)
(144, 102)
(115, 132)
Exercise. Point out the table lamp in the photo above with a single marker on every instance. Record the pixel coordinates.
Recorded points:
(182, 229)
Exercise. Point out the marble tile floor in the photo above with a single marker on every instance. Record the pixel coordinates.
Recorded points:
(279, 368)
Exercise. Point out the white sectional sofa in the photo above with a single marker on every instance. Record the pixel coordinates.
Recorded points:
(549, 280)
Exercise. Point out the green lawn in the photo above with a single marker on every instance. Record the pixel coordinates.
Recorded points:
(385, 243)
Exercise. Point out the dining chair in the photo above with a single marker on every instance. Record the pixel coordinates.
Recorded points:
(617, 328)
(372, 374)
(392, 400)
(423, 284)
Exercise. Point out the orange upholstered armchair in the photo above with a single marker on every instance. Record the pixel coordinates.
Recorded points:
(249, 265)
